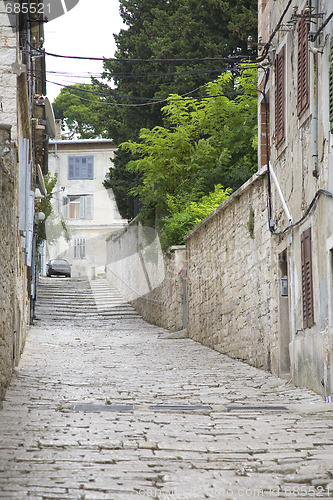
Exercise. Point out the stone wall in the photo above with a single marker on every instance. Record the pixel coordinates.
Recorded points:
(13, 304)
(231, 282)
(9, 70)
(165, 306)
(152, 281)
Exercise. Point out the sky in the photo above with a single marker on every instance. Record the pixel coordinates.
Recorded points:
(86, 30)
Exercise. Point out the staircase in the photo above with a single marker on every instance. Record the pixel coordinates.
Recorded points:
(61, 299)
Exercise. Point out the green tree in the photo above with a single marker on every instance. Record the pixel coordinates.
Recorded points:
(183, 218)
(156, 29)
(78, 106)
(177, 29)
(206, 142)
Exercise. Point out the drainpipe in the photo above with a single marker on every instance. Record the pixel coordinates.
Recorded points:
(283, 201)
(58, 189)
(314, 96)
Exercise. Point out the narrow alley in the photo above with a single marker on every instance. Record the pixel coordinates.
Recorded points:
(104, 406)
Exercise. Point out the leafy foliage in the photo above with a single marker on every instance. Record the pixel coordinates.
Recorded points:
(176, 29)
(49, 228)
(183, 218)
(206, 142)
(156, 29)
(79, 108)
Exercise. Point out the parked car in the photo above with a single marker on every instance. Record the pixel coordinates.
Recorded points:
(58, 267)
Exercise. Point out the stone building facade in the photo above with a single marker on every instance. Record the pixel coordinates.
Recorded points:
(298, 96)
(25, 125)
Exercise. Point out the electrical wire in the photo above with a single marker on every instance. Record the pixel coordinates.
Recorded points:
(315, 36)
(129, 60)
(142, 75)
(160, 101)
(276, 29)
(308, 210)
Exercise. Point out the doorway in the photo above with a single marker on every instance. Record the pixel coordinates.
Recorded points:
(284, 328)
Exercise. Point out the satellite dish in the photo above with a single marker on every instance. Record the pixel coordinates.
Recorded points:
(57, 8)
(45, 9)
(50, 120)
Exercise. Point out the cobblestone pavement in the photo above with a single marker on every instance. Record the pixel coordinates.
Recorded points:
(86, 417)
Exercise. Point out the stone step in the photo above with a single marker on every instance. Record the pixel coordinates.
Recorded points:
(74, 300)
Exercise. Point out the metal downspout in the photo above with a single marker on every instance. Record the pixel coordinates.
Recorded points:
(58, 190)
(314, 96)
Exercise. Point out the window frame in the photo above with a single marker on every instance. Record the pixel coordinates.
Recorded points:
(79, 248)
(86, 206)
(80, 167)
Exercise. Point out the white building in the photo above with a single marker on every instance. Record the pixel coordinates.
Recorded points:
(82, 203)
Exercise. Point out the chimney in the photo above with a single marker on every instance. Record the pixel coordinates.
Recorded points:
(58, 129)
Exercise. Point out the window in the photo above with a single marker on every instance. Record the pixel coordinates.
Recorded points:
(78, 207)
(79, 248)
(307, 289)
(80, 167)
(302, 65)
(279, 96)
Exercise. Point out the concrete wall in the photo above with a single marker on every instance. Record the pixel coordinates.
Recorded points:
(231, 280)
(154, 282)
(13, 296)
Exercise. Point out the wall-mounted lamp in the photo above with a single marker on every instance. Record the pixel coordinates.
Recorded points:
(41, 216)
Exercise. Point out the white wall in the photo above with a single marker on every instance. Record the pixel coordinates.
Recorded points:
(104, 218)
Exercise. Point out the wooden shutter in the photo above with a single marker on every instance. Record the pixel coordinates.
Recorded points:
(24, 189)
(302, 65)
(83, 167)
(89, 200)
(77, 167)
(71, 167)
(279, 96)
(65, 202)
(307, 289)
(90, 167)
(80, 167)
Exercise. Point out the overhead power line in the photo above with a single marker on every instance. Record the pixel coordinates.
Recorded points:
(231, 59)
(139, 75)
(151, 100)
(202, 59)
